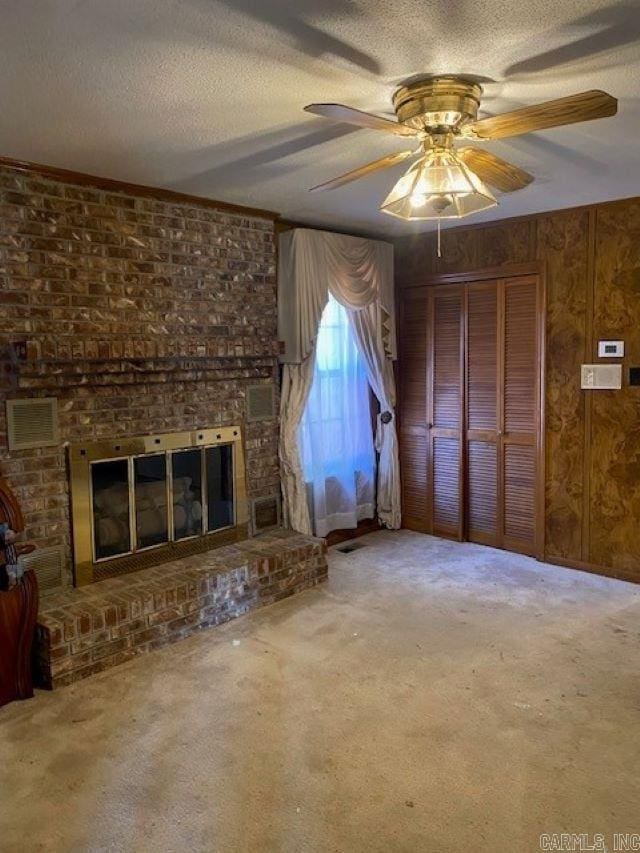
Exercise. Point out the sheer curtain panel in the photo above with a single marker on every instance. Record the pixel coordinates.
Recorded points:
(335, 435)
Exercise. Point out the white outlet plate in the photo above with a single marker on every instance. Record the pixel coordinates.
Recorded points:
(601, 377)
(610, 349)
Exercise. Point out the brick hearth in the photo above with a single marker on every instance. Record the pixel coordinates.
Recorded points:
(86, 630)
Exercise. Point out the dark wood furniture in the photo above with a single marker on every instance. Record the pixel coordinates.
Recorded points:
(471, 398)
(18, 612)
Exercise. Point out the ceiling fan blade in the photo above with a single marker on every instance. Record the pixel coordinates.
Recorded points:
(362, 171)
(583, 107)
(494, 170)
(338, 112)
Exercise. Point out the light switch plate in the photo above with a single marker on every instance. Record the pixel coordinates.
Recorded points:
(610, 349)
(601, 377)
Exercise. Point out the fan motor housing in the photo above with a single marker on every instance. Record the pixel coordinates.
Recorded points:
(438, 104)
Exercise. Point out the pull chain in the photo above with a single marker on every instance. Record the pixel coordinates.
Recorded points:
(439, 251)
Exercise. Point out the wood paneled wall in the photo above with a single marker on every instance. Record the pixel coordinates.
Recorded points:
(591, 257)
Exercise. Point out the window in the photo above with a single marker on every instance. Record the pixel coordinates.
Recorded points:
(335, 434)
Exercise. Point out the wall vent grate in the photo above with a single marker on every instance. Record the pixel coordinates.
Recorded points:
(261, 401)
(32, 423)
(47, 563)
(265, 514)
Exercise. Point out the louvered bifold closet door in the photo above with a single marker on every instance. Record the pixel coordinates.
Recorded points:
(482, 412)
(413, 411)
(519, 418)
(445, 410)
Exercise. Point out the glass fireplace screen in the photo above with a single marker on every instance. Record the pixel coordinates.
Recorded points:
(141, 502)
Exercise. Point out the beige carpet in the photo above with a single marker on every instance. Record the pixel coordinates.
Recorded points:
(432, 697)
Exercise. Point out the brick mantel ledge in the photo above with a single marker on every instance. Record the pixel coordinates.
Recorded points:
(82, 631)
(42, 374)
(66, 350)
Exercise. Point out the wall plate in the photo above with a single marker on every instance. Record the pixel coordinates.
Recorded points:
(601, 376)
(610, 349)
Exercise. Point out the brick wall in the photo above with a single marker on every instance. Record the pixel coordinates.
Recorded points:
(140, 315)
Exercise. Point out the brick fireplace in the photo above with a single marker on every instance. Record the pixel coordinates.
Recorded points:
(140, 315)
(146, 323)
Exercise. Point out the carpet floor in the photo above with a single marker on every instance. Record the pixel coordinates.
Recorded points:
(433, 696)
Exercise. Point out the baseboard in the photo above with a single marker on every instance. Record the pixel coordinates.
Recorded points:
(566, 562)
(592, 568)
(367, 525)
(415, 524)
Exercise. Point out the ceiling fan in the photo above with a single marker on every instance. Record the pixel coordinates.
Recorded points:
(448, 182)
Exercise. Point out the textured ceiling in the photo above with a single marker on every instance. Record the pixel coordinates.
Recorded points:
(206, 96)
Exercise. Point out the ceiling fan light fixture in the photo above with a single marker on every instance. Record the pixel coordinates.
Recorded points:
(438, 186)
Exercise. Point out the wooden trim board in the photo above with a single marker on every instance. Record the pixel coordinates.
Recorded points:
(68, 176)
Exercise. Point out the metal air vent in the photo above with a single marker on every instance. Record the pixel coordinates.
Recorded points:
(350, 547)
(265, 514)
(47, 563)
(261, 402)
(32, 423)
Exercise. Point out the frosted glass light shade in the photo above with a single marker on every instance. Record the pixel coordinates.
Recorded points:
(438, 186)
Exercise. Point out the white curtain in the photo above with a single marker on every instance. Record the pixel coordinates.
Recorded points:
(296, 384)
(335, 437)
(312, 264)
(358, 273)
(367, 325)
